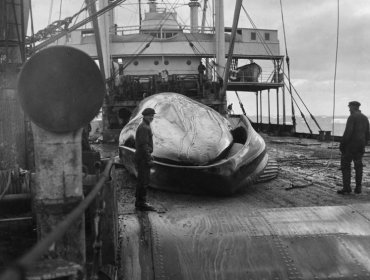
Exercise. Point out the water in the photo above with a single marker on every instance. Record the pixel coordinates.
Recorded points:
(325, 123)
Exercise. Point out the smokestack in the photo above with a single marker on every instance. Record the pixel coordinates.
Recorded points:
(194, 5)
(152, 6)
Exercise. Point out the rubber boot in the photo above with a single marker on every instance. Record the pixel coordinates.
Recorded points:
(358, 188)
(141, 203)
(346, 177)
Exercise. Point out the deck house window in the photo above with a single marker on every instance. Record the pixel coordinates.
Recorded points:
(267, 36)
(253, 36)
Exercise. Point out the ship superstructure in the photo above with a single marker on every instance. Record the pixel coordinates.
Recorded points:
(162, 55)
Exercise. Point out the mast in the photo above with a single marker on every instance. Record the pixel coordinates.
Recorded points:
(99, 48)
(238, 6)
(105, 23)
(220, 38)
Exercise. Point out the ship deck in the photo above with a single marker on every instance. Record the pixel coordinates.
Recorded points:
(293, 227)
(309, 175)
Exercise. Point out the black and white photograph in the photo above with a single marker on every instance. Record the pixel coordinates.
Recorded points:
(184, 139)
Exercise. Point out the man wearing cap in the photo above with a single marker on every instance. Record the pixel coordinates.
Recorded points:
(143, 158)
(352, 147)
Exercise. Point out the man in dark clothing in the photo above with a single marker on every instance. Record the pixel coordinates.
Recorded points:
(143, 159)
(201, 69)
(352, 147)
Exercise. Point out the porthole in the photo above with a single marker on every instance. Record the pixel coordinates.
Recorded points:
(188, 62)
(136, 62)
(166, 62)
(156, 62)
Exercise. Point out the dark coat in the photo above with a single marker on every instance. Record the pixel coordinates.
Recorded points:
(144, 143)
(356, 134)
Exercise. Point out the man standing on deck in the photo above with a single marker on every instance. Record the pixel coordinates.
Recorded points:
(201, 69)
(143, 159)
(352, 147)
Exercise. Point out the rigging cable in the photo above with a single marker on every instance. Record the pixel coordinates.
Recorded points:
(60, 14)
(32, 27)
(302, 115)
(195, 49)
(269, 52)
(242, 107)
(334, 84)
(312, 116)
(288, 64)
(147, 45)
(50, 10)
(335, 67)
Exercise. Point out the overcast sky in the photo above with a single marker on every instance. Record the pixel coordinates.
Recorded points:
(311, 30)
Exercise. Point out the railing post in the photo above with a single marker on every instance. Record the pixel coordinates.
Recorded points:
(257, 121)
(58, 190)
(277, 107)
(269, 107)
(284, 106)
(261, 121)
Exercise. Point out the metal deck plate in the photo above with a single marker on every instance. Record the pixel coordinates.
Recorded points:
(285, 243)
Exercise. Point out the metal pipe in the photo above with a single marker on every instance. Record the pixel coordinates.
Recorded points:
(257, 107)
(277, 106)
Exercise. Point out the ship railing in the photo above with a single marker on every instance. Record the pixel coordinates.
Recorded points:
(263, 77)
(135, 29)
(19, 269)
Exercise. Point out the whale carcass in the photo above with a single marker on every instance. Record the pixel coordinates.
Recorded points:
(196, 149)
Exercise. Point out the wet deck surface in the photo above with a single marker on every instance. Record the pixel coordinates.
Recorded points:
(294, 227)
(309, 175)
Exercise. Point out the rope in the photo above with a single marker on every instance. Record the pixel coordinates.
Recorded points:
(304, 104)
(269, 52)
(194, 48)
(74, 27)
(162, 22)
(50, 11)
(134, 57)
(302, 115)
(335, 66)
(334, 83)
(32, 26)
(282, 19)
(241, 104)
(60, 9)
(264, 44)
(288, 64)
